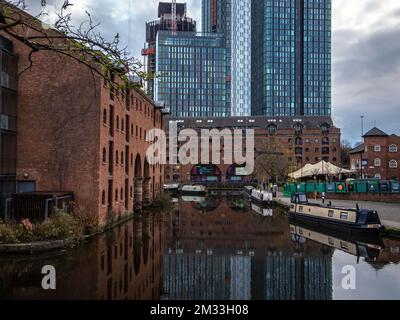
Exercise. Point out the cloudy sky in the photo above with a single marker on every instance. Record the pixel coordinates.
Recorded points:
(366, 53)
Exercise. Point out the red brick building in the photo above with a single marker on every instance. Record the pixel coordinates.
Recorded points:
(301, 140)
(75, 134)
(378, 157)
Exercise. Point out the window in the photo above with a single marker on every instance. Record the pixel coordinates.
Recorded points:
(299, 141)
(104, 155)
(378, 162)
(116, 195)
(103, 198)
(378, 176)
(377, 148)
(105, 117)
(122, 125)
(272, 129)
(393, 148)
(393, 164)
(117, 123)
(344, 216)
(330, 213)
(122, 194)
(122, 158)
(116, 158)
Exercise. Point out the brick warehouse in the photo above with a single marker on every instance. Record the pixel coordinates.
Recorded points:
(378, 157)
(74, 134)
(301, 139)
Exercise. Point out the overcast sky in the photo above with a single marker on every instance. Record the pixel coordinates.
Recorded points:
(366, 53)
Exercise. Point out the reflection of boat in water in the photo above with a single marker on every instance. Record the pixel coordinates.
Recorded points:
(192, 189)
(360, 246)
(266, 212)
(353, 220)
(193, 199)
(172, 188)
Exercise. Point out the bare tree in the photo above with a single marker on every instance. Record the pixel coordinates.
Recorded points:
(271, 163)
(83, 43)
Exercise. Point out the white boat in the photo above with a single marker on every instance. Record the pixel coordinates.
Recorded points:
(190, 189)
(263, 197)
(193, 199)
(248, 189)
(173, 187)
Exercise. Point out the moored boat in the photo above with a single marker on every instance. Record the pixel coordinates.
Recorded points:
(354, 220)
(247, 190)
(261, 197)
(173, 187)
(193, 189)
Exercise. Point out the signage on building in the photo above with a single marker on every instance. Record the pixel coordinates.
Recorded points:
(364, 163)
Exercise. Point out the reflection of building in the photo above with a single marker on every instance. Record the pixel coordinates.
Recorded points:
(301, 140)
(76, 132)
(191, 70)
(163, 23)
(125, 263)
(378, 157)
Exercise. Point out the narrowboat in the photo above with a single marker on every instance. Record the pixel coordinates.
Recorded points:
(261, 197)
(353, 220)
(359, 246)
(193, 190)
(248, 190)
(171, 188)
(265, 212)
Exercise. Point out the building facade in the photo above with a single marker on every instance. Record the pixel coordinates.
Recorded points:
(232, 18)
(192, 74)
(300, 140)
(378, 157)
(77, 133)
(8, 120)
(291, 63)
(163, 23)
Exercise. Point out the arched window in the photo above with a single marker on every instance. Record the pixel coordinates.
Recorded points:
(325, 140)
(299, 141)
(298, 127)
(105, 117)
(378, 162)
(116, 195)
(116, 157)
(272, 129)
(117, 123)
(378, 176)
(103, 198)
(122, 194)
(132, 129)
(131, 192)
(393, 164)
(122, 158)
(393, 148)
(104, 155)
(122, 125)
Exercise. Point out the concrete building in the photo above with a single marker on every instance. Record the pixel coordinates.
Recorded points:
(163, 23)
(232, 18)
(75, 134)
(192, 74)
(378, 157)
(291, 57)
(301, 140)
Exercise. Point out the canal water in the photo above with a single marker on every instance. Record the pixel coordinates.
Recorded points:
(219, 247)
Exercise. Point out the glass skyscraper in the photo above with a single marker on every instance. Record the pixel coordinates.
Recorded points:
(232, 18)
(191, 73)
(291, 57)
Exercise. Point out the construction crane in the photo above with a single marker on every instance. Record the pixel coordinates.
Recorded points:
(174, 18)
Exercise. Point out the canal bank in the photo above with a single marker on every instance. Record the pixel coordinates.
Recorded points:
(389, 213)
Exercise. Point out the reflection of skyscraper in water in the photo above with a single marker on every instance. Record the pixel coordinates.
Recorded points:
(276, 277)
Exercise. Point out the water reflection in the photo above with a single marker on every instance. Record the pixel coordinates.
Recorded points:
(216, 247)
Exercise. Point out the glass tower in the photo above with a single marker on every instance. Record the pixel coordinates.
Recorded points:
(191, 69)
(232, 18)
(291, 57)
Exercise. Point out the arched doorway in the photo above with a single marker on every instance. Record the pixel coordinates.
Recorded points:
(236, 173)
(209, 173)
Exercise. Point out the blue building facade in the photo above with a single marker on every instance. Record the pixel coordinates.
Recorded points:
(191, 69)
(291, 57)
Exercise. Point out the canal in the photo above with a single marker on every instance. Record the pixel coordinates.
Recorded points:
(219, 247)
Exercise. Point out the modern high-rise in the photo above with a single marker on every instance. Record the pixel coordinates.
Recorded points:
(191, 69)
(291, 57)
(279, 54)
(232, 18)
(164, 22)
